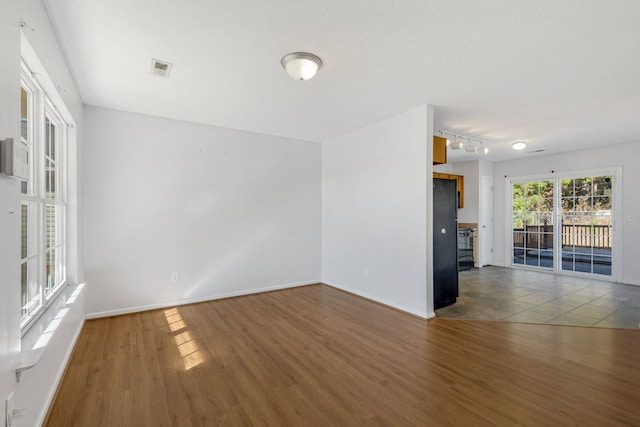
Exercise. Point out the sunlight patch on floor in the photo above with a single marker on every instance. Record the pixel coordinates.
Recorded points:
(187, 346)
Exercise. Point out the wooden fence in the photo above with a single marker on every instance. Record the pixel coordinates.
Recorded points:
(541, 236)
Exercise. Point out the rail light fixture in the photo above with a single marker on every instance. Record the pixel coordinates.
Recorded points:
(457, 142)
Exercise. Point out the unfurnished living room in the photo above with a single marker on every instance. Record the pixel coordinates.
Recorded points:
(288, 213)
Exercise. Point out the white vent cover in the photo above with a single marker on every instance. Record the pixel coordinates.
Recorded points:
(160, 68)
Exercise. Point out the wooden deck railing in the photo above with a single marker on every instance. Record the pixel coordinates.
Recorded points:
(586, 236)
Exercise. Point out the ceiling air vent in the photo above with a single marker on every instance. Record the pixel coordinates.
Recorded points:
(534, 151)
(160, 68)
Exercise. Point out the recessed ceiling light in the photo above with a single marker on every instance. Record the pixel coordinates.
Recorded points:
(519, 145)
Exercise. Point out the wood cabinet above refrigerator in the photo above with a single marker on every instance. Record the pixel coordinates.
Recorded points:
(439, 150)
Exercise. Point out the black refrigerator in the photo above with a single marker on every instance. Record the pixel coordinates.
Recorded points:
(445, 242)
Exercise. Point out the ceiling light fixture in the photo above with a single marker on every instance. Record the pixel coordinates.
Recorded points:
(471, 148)
(301, 65)
(519, 145)
(456, 145)
(472, 145)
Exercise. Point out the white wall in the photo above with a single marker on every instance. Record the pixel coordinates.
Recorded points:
(473, 171)
(9, 202)
(233, 212)
(470, 170)
(36, 389)
(443, 168)
(52, 62)
(624, 155)
(374, 211)
(485, 168)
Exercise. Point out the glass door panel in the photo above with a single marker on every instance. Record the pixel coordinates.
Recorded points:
(532, 228)
(585, 210)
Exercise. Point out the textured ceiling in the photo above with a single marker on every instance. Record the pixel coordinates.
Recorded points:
(559, 74)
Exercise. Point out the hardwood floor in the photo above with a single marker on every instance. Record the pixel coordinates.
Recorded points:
(317, 356)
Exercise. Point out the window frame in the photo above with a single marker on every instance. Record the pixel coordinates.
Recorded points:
(616, 218)
(39, 110)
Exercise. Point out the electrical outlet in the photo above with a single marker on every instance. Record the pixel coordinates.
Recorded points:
(175, 276)
(365, 272)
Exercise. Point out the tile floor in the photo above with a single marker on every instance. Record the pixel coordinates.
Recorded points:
(495, 293)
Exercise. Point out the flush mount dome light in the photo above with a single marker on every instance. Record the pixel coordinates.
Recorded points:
(519, 145)
(301, 65)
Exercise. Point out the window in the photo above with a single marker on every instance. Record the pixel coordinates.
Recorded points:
(43, 197)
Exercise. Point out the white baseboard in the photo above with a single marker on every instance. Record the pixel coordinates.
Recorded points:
(211, 297)
(60, 373)
(418, 313)
(631, 282)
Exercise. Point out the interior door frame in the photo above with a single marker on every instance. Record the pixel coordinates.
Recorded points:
(616, 219)
(485, 235)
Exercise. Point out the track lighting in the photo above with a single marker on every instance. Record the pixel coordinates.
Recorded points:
(457, 142)
(456, 145)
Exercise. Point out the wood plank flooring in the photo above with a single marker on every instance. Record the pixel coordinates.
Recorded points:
(317, 356)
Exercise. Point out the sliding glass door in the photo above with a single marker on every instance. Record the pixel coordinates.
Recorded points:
(587, 238)
(563, 223)
(533, 238)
